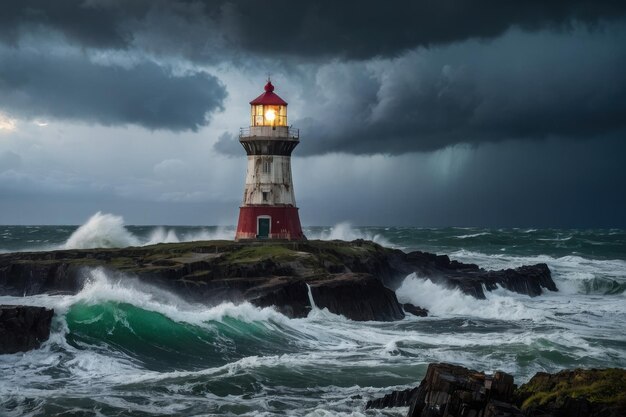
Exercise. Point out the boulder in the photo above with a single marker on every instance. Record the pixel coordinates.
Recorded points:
(394, 399)
(415, 310)
(454, 391)
(23, 328)
(450, 390)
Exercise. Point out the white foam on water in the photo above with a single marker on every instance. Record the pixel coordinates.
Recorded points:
(321, 412)
(345, 231)
(570, 273)
(445, 302)
(472, 235)
(101, 286)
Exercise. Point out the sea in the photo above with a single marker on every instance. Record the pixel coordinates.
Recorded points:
(121, 348)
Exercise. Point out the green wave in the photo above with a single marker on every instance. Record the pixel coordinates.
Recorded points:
(603, 286)
(161, 343)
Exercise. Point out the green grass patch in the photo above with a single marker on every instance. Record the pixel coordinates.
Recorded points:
(607, 386)
(256, 253)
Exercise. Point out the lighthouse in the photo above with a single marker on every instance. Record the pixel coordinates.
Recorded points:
(269, 205)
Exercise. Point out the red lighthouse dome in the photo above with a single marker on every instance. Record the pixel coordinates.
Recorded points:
(269, 206)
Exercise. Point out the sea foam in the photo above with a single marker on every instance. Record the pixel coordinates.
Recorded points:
(445, 302)
(345, 231)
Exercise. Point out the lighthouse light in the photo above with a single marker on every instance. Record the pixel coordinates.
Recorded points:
(270, 115)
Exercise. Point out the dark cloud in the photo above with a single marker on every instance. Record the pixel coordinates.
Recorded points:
(88, 22)
(521, 86)
(71, 86)
(364, 29)
(393, 89)
(325, 28)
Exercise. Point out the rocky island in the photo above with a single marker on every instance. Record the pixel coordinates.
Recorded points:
(356, 279)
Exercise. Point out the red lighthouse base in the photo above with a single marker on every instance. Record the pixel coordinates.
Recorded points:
(269, 222)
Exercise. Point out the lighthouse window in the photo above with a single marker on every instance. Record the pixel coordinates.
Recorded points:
(265, 193)
(267, 167)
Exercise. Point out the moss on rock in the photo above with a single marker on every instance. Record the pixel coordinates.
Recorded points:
(605, 387)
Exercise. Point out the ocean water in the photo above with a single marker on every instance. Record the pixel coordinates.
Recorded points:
(128, 349)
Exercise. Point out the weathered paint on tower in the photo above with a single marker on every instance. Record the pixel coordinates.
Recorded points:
(269, 205)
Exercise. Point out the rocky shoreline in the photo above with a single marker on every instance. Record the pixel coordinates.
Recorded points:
(454, 391)
(355, 279)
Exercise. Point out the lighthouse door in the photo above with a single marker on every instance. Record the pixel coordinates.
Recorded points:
(263, 229)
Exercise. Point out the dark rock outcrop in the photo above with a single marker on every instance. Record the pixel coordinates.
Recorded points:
(450, 390)
(394, 399)
(287, 296)
(349, 278)
(469, 278)
(415, 310)
(454, 391)
(23, 328)
(357, 295)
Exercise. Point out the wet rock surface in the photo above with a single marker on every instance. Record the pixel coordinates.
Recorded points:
(454, 391)
(23, 328)
(355, 279)
(415, 310)
(357, 295)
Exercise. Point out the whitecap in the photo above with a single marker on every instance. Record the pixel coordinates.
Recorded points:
(345, 231)
(445, 302)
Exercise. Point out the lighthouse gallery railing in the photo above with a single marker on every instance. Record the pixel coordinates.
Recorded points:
(269, 131)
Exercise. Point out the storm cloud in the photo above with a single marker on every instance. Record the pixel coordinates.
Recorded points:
(521, 86)
(70, 86)
(411, 112)
(325, 28)
(414, 76)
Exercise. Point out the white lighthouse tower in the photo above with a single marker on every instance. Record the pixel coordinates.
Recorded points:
(269, 205)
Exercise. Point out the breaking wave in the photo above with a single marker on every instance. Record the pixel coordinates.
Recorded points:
(101, 231)
(104, 230)
(345, 231)
(573, 274)
(445, 302)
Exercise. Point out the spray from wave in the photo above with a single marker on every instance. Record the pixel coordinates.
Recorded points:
(101, 231)
(573, 274)
(445, 302)
(104, 230)
(345, 231)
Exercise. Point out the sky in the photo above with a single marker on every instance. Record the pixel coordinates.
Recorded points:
(412, 113)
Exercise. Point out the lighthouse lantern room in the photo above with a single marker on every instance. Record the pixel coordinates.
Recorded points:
(269, 206)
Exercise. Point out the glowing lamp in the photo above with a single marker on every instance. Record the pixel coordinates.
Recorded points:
(268, 109)
(270, 115)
